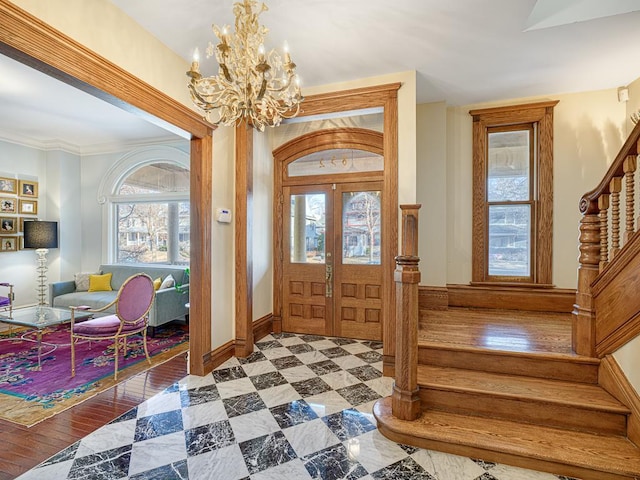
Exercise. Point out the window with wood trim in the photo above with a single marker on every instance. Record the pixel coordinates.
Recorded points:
(513, 194)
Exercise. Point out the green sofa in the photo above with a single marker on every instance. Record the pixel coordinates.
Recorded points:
(169, 303)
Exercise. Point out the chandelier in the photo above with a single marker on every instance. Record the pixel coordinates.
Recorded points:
(251, 84)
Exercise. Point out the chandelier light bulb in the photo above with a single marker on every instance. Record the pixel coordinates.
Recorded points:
(252, 84)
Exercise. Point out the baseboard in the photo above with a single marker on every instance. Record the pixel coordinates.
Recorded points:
(515, 298)
(433, 298)
(220, 355)
(613, 380)
(262, 327)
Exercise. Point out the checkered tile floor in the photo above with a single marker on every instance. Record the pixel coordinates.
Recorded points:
(298, 408)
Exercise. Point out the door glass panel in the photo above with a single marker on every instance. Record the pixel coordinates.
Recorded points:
(510, 240)
(508, 176)
(361, 228)
(307, 236)
(336, 161)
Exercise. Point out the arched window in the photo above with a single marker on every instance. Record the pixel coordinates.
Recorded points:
(151, 214)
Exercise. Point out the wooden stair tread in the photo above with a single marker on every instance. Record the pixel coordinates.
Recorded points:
(564, 357)
(527, 388)
(601, 453)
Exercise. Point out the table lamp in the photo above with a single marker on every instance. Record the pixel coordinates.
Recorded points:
(42, 236)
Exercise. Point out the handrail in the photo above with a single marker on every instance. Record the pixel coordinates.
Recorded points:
(589, 201)
(601, 241)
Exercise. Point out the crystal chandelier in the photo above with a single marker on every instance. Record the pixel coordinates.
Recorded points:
(251, 84)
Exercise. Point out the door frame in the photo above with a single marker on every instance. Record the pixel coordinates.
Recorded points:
(33, 42)
(385, 144)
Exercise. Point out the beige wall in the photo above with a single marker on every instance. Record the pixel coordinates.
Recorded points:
(105, 29)
(589, 129)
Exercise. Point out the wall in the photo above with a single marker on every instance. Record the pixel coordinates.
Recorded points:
(262, 226)
(103, 28)
(432, 191)
(222, 240)
(628, 357)
(19, 268)
(589, 129)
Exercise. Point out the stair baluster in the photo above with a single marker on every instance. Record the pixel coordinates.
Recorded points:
(603, 205)
(629, 167)
(615, 188)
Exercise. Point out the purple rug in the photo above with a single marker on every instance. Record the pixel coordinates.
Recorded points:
(25, 387)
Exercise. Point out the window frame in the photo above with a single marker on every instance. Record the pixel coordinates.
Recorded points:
(539, 117)
(117, 199)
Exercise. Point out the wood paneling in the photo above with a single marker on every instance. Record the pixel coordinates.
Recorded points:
(433, 298)
(513, 298)
(23, 448)
(613, 380)
(243, 247)
(616, 300)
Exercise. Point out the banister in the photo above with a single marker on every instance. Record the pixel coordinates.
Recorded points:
(589, 201)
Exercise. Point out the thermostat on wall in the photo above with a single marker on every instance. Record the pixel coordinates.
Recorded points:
(223, 215)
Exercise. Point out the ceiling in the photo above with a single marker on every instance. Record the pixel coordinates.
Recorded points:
(463, 52)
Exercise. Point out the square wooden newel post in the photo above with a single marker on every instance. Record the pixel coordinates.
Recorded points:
(405, 402)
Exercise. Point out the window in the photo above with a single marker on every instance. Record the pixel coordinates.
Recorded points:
(513, 194)
(151, 213)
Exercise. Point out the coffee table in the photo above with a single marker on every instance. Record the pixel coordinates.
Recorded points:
(38, 318)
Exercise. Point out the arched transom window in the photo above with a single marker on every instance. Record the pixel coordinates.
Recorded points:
(151, 215)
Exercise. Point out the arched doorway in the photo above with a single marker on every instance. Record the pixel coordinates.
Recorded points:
(332, 233)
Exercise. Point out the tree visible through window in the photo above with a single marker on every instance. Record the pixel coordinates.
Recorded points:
(152, 215)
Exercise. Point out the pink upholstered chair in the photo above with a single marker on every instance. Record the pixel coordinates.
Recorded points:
(133, 303)
(6, 303)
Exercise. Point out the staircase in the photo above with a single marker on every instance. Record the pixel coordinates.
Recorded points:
(567, 410)
(534, 409)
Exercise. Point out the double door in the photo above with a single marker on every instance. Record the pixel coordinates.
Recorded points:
(332, 269)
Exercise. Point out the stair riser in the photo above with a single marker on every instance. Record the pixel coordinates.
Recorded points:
(496, 362)
(499, 457)
(526, 411)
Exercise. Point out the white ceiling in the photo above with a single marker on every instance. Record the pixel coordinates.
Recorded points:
(464, 52)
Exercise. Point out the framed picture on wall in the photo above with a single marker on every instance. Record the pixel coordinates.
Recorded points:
(8, 185)
(28, 207)
(8, 225)
(28, 188)
(8, 244)
(8, 205)
(21, 221)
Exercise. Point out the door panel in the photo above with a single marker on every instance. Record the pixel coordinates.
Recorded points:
(332, 272)
(306, 307)
(358, 269)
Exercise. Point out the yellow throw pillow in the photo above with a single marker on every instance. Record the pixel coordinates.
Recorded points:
(100, 283)
(157, 282)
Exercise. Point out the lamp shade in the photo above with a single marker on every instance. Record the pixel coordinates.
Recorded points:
(40, 234)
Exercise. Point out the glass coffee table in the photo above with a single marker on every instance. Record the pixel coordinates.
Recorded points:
(38, 318)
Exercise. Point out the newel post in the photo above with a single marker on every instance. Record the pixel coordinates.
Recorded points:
(583, 327)
(405, 402)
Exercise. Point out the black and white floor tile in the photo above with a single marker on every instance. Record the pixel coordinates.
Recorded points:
(298, 408)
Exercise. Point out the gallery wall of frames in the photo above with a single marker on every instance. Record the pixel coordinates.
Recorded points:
(18, 204)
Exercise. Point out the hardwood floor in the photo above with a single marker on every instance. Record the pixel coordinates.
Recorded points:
(506, 330)
(24, 448)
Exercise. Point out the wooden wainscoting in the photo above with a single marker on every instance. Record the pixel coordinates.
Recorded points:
(533, 299)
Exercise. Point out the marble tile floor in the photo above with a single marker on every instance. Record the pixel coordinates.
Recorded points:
(298, 408)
